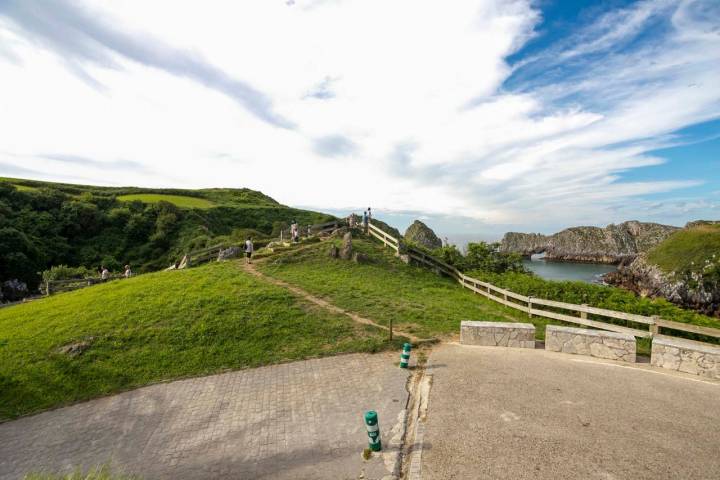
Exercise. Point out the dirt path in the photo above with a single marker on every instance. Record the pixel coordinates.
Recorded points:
(250, 268)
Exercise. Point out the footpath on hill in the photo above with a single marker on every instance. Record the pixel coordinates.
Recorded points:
(250, 268)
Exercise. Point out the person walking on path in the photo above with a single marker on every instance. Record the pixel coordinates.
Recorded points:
(128, 272)
(249, 249)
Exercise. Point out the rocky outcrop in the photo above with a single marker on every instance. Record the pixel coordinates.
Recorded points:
(420, 234)
(14, 290)
(346, 251)
(613, 244)
(648, 280)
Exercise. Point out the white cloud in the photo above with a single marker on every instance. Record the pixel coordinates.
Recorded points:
(397, 104)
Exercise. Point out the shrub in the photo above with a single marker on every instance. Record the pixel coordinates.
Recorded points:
(63, 272)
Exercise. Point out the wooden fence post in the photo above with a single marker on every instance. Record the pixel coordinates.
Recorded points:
(654, 327)
(583, 314)
(47, 288)
(530, 307)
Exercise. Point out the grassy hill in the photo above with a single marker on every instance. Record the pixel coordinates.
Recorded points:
(160, 326)
(695, 249)
(207, 319)
(44, 224)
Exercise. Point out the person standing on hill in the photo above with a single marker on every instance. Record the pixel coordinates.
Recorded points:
(294, 231)
(128, 272)
(105, 274)
(249, 249)
(365, 219)
(369, 214)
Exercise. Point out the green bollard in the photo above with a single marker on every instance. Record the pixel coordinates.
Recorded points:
(405, 355)
(373, 430)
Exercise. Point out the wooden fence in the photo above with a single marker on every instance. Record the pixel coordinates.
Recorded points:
(633, 324)
(49, 287)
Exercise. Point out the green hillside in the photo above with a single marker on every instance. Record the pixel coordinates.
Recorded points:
(160, 326)
(181, 201)
(44, 224)
(695, 249)
(417, 300)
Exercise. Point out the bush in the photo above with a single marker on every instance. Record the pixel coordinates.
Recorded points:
(481, 256)
(63, 272)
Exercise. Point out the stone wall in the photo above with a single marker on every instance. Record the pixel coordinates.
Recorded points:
(521, 335)
(686, 356)
(595, 343)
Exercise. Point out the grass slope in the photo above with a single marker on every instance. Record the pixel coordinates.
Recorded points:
(161, 326)
(687, 249)
(417, 300)
(181, 201)
(427, 305)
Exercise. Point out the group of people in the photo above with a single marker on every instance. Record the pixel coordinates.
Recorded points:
(104, 273)
(367, 216)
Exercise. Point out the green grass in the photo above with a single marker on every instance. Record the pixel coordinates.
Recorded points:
(178, 200)
(98, 473)
(161, 326)
(417, 300)
(688, 249)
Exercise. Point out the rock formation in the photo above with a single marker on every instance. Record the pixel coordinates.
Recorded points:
(612, 244)
(422, 235)
(346, 251)
(648, 280)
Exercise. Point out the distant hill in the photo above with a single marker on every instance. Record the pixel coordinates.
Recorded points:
(44, 224)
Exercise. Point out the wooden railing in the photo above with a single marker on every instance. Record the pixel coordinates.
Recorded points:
(205, 254)
(388, 240)
(49, 287)
(637, 325)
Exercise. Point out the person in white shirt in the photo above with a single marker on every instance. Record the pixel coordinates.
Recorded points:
(105, 275)
(128, 272)
(249, 249)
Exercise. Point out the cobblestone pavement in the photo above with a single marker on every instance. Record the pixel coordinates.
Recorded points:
(506, 413)
(292, 421)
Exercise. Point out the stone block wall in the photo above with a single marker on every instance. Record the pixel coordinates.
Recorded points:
(595, 343)
(497, 334)
(686, 356)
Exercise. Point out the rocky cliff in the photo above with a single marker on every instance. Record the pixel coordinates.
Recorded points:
(613, 244)
(648, 280)
(422, 235)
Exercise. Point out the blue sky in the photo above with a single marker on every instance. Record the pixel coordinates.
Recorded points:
(477, 116)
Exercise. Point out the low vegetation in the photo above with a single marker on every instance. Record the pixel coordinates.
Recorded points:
(599, 296)
(160, 326)
(98, 473)
(691, 254)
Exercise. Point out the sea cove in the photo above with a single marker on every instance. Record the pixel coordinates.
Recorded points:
(584, 272)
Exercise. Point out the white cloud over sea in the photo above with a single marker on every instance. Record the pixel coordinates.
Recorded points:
(402, 105)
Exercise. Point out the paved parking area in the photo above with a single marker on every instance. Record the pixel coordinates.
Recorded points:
(292, 421)
(505, 413)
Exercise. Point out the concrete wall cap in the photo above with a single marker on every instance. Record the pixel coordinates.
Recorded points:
(588, 332)
(473, 323)
(686, 344)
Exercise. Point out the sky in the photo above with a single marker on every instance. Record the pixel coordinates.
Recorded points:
(475, 116)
